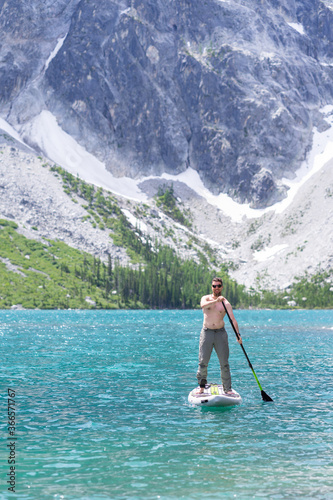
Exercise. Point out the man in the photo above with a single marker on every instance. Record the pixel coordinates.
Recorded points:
(213, 334)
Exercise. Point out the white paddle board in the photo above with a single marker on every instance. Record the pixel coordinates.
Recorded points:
(213, 395)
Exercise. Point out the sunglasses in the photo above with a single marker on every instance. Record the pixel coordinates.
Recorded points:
(216, 286)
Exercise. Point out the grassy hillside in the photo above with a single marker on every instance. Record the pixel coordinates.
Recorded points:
(49, 274)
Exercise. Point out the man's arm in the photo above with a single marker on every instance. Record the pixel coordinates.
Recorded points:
(207, 300)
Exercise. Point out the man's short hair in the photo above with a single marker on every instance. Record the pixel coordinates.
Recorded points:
(219, 280)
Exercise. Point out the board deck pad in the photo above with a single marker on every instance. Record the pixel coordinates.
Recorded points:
(213, 395)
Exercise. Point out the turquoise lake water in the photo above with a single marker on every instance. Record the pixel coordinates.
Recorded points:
(101, 407)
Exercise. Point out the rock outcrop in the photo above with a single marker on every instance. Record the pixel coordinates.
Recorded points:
(231, 89)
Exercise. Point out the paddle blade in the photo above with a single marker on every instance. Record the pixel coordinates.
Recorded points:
(265, 396)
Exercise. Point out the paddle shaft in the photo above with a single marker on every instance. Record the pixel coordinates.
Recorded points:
(264, 395)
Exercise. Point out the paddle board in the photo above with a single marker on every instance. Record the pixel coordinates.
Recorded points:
(213, 395)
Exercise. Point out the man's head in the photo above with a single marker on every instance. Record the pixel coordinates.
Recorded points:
(217, 285)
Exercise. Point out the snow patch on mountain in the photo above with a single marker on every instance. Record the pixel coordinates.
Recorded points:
(6, 127)
(55, 51)
(134, 221)
(44, 133)
(320, 154)
(268, 253)
(298, 27)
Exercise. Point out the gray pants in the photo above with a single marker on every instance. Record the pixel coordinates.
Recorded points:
(219, 340)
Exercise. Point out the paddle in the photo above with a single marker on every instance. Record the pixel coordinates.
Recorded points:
(264, 396)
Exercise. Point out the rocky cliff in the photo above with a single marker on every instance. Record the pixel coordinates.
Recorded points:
(232, 89)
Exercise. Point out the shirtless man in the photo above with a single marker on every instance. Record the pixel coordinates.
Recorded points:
(213, 334)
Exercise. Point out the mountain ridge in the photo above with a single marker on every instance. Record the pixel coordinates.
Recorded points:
(231, 90)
